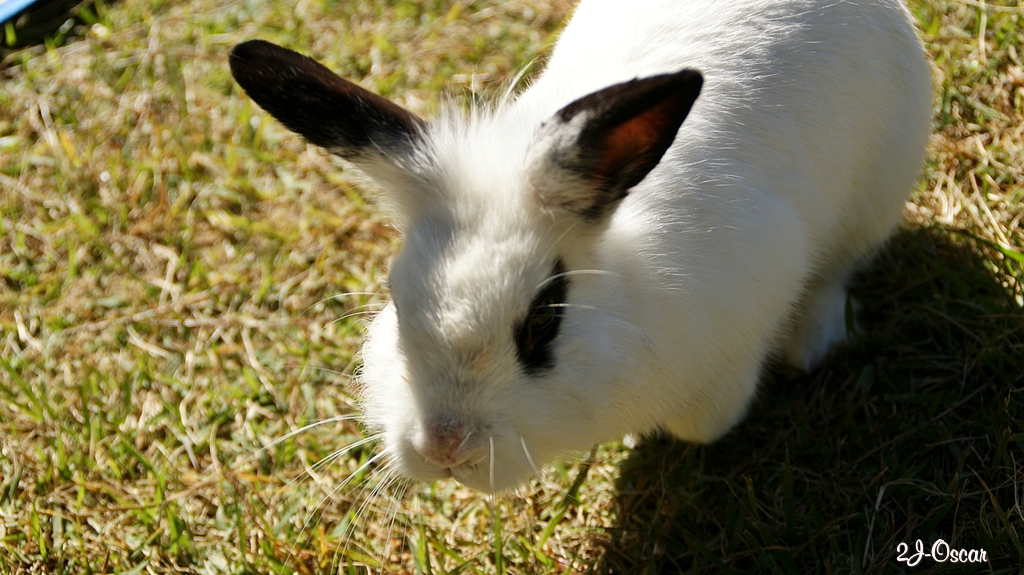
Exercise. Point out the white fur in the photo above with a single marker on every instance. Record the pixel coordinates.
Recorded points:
(791, 169)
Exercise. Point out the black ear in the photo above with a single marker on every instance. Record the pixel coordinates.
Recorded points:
(313, 101)
(608, 141)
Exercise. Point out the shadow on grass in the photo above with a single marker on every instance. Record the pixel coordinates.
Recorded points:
(912, 432)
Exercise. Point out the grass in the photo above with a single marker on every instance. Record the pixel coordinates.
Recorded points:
(174, 264)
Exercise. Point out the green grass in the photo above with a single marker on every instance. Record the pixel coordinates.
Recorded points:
(174, 264)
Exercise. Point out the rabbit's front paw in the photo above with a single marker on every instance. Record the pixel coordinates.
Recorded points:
(820, 323)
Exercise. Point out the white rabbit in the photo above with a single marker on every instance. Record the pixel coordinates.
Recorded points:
(579, 264)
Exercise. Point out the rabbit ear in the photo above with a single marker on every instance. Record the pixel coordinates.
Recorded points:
(598, 147)
(321, 106)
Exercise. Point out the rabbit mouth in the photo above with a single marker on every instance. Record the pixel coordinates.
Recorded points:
(499, 465)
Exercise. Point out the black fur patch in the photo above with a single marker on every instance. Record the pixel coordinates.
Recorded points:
(535, 334)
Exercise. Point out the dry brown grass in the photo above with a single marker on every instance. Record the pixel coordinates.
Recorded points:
(977, 162)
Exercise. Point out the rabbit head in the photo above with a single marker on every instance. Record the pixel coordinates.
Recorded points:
(503, 346)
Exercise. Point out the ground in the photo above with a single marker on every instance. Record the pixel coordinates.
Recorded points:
(183, 285)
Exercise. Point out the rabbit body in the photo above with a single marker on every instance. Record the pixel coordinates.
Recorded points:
(790, 169)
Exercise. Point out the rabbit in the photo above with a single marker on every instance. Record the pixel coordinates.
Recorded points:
(679, 197)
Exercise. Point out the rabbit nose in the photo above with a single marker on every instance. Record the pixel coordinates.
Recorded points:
(443, 442)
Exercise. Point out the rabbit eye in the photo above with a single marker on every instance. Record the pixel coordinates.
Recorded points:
(535, 333)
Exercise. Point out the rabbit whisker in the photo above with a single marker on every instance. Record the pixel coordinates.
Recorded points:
(561, 237)
(571, 273)
(303, 429)
(529, 457)
(510, 92)
(465, 440)
(352, 314)
(393, 512)
(330, 370)
(576, 305)
(335, 455)
(388, 478)
(340, 486)
(358, 311)
(490, 439)
(339, 296)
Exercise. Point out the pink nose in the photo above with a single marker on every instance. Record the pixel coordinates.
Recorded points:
(443, 442)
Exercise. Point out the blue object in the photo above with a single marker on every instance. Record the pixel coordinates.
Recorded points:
(11, 8)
